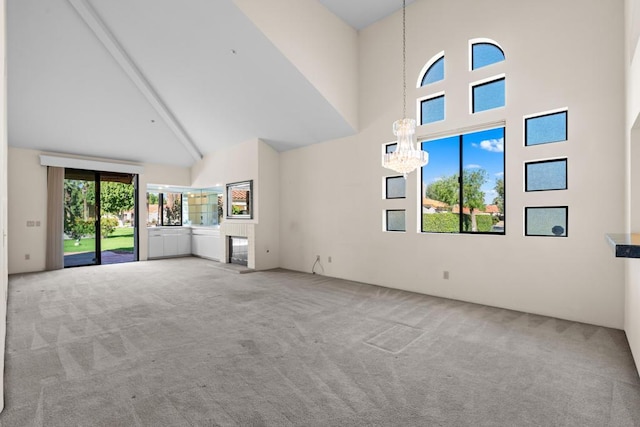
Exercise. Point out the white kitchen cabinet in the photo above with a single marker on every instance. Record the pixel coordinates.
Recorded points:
(170, 244)
(167, 242)
(205, 243)
(156, 246)
(184, 244)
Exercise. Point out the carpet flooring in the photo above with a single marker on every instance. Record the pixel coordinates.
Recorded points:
(182, 343)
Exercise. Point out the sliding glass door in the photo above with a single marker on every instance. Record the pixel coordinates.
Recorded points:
(80, 244)
(100, 221)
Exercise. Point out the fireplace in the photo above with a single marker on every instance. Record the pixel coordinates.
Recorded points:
(238, 250)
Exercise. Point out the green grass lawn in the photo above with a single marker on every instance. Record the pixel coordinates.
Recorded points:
(121, 240)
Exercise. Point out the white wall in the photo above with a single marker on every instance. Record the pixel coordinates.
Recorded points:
(27, 202)
(319, 44)
(268, 228)
(330, 193)
(3, 195)
(238, 163)
(257, 161)
(632, 289)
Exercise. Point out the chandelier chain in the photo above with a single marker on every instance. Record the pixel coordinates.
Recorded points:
(404, 60)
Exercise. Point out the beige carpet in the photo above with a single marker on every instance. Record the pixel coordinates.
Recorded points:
(182, 343)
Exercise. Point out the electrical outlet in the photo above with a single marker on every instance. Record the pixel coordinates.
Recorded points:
(27, 256)
(329, 259)
(37, 223)
(31, 223)
(445, 275)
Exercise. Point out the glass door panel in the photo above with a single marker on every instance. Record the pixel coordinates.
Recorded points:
(79, 240)
(117, 219)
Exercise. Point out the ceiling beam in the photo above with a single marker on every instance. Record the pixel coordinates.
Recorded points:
(97, 25)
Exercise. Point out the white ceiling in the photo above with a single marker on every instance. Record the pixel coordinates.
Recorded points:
(362, 13)
(67, 94)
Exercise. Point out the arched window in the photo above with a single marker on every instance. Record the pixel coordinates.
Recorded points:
(485, 52)
(462, 187)
(433, 71)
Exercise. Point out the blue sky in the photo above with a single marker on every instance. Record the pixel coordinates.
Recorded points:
(484, 149)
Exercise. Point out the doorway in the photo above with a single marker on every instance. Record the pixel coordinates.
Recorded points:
(100, 218)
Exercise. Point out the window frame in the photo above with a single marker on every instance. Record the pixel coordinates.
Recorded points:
(546, 114)
(229, 198)
(477, 41)
(556, 160)
(425, 69)
(386, 220)
(385, 191)
(485, 82)
(427, 98)
(526, 222)
(461, 180)
(161, 216)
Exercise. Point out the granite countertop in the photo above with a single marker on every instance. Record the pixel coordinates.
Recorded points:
(625, 245)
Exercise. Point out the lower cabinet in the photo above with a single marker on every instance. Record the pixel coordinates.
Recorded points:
(156, 247)
(184, 244)
(182, 241)
(165, 243)
(206, 244)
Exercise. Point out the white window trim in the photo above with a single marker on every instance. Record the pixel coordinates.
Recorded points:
(426, 98)
(427, 66)
(540, 114)
(481, 82)
(482, 40)
(384, 187)
(546, 159)
(384, 221)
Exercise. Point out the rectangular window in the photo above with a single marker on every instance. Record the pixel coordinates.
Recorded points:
(240, 200)
(546, 221)
(390, 148)
(470, 168)
(395, 187)
(164, 209)
(489, 95)
(545, 128)
(432, 110)
(395, 220)
(546, 175)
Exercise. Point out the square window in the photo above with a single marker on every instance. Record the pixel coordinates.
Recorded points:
(546, 128)
(489, 95)
(432, 110)
(546, 221)
(395, 187)
(395, 220)
(546, 175)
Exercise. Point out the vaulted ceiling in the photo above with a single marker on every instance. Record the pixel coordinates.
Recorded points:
(161, 81)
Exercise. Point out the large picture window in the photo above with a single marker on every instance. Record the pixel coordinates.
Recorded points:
(164, 209)
(463, 184)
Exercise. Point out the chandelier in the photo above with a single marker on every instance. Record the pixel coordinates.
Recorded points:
(407, 157)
